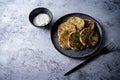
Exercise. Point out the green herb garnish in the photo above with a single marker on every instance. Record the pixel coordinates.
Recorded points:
(75, 38)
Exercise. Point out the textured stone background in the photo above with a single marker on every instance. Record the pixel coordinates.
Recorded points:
(26, 52)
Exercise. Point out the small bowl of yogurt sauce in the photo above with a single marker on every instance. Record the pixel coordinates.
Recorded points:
(40, 17)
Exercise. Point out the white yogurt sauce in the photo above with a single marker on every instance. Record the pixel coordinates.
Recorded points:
(41, 19)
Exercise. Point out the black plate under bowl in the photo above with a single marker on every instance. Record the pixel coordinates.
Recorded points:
(71, 53)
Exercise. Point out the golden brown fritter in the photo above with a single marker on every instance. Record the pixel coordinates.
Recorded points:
(63, 40)
(66, 27)
(89, 23)
(77, 21)
(89, 37)
(74, 41)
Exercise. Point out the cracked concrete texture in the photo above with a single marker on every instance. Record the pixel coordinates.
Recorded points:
(26, 52)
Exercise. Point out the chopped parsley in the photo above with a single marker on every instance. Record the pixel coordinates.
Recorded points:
(75, 38)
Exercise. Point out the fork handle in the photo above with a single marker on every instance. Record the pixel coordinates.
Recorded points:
(82, 64)
(89, 59)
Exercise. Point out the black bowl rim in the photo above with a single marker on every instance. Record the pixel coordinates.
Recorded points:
(51, 17)
(100, 43)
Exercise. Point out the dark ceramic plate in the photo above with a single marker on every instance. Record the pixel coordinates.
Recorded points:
(71, 53)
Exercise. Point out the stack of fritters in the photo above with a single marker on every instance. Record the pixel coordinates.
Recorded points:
(77, 33)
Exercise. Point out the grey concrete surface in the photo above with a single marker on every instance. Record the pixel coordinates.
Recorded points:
(27, 53)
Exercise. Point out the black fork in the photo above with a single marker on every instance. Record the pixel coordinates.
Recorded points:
(108, 48)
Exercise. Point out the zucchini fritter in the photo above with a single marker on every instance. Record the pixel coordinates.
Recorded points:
(89, 23)
(77, 21)
(89, 37)
(66, 27)
(63, 40)
(74, 41)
